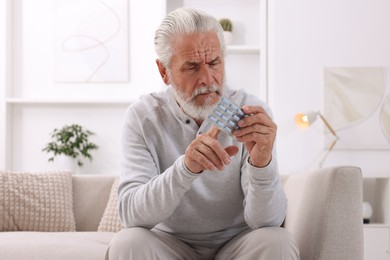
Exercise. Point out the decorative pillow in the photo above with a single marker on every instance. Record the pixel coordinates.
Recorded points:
(36, 201)
(110, 221)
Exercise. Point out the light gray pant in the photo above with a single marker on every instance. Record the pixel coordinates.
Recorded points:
(142, 244)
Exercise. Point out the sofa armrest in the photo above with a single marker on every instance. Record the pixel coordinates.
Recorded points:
(325, 212)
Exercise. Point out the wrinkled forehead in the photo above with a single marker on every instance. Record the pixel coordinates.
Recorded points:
(196, 47)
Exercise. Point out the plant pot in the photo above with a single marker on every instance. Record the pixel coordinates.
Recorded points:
(66, 163)
(367, 212)
(228, 37)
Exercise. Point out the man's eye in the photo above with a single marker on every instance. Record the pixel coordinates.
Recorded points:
(214, 63)
(192, 68)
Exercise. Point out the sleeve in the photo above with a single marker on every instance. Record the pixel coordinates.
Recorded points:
(265, 203)
(146, 196)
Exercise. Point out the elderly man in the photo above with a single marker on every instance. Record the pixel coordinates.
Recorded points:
(188, 190)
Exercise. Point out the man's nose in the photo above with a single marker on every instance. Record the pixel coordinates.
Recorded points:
(206, 75)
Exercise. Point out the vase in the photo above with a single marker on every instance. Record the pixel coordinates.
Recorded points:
(228, 37)
(367, 212)
(66, 163)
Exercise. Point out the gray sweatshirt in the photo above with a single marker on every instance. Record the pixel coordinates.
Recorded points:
(157, 190)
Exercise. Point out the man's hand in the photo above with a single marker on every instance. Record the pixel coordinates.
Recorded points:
(257, 132)
(207, 153)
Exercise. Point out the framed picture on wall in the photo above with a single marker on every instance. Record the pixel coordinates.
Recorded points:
(91, 41)
(357, 105)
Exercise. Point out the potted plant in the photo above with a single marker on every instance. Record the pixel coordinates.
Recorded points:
(227, 27)
(71, 141)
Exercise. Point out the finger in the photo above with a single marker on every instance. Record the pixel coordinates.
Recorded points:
(250, 137)
(209, 154)
(195, 160)
(213, 132)
(259, 118)
(204, 161)
(257, 138)
(217, 149)
(253, 109)
(256, 128)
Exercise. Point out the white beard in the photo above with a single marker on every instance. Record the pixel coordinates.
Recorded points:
(189, 106)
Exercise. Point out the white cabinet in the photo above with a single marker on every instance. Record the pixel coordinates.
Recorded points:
(376, 191)
(376, 242)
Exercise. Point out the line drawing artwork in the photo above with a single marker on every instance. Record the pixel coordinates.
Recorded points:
(356, 104)
(91, 41)
(385, 118)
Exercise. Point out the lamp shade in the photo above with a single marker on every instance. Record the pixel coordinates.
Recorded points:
(305, 120)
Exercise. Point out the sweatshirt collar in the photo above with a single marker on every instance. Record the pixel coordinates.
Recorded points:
(183, 117)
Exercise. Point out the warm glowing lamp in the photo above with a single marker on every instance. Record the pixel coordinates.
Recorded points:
(307, 119)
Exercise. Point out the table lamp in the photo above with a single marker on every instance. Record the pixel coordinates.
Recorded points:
(307, 119)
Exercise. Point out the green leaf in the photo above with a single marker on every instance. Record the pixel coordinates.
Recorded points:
(71, 140)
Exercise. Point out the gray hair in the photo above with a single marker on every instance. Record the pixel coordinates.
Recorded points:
(183, 21)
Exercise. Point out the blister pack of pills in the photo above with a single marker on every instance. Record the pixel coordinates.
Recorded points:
(226, 115)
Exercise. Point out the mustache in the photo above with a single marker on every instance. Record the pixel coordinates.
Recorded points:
(206, 89)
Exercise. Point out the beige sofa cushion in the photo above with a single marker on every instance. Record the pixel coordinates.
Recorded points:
(110, 221)
(36, 201)
(54, 245)
(90, 197)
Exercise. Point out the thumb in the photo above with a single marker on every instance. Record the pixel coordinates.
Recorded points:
(231, 150)
(214, 132)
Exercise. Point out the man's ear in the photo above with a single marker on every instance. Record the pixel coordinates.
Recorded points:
(163, 72)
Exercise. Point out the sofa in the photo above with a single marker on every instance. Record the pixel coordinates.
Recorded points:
(324, 214)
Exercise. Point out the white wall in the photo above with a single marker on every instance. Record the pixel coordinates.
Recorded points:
(305, 37)
(33, 73)
(36, 101)
(32, 79)
(3, 33)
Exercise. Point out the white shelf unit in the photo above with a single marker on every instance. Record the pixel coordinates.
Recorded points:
(376, 242)
(376, 191)
(32, 104)
(246, 59)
